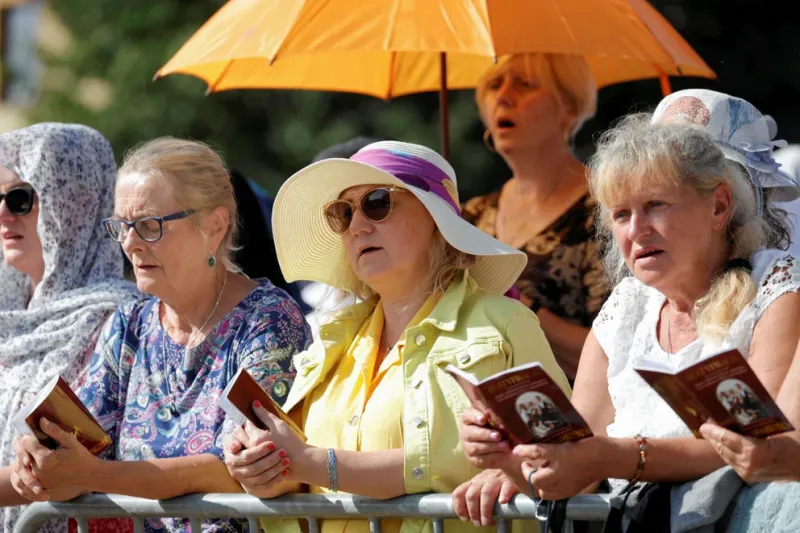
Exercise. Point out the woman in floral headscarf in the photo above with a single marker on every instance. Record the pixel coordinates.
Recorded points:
(60, 278)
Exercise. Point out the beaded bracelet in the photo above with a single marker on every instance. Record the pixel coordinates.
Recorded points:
(642, 458)
(333, 480)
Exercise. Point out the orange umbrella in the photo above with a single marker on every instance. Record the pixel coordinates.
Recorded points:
(387, 49)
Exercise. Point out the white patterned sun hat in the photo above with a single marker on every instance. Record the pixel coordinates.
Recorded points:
(740, 130)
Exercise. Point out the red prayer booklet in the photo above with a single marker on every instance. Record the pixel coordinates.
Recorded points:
(59, 404)
(722, 388)
(238, 397)
(525, 404)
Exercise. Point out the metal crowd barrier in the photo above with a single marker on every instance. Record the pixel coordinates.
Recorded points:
(312, 507)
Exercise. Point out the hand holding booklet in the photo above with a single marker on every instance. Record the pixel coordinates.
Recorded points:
(525, 404)
(238, 397)
(721, 388)
(58, 403)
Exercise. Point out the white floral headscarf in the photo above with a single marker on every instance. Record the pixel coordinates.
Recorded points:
(73, 171)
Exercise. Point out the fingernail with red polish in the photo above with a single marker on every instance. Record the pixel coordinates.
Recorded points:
(257, 404)
(285, 473)
(270, 446)
(282, 454)
(285, 462)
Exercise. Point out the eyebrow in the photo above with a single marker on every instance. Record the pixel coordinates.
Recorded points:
(137, 215)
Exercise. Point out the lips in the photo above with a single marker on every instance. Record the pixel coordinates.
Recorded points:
(10, 236)
(646, 253)
(364, 250)
(504, 123)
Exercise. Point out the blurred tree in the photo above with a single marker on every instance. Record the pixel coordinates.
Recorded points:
(104, 80)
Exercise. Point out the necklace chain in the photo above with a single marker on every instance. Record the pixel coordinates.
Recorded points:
(669, 333)
(171, 400)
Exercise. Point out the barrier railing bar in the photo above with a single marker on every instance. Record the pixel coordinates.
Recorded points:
(313, 525)
(199, 506)
(374, 525)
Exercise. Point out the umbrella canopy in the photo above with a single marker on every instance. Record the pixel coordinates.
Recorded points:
(296, 44)
(388, 49)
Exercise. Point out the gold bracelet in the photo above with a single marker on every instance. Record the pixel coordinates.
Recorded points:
(642, 458)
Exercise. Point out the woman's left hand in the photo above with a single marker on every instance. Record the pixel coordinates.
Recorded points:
(47, 474)
(756, 460)
(475, 499)
(564, 469)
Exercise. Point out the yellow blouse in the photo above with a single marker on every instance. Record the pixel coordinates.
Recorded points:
(358, 409)
(413, 405)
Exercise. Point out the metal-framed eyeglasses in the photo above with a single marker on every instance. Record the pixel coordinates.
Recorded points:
(150, 229)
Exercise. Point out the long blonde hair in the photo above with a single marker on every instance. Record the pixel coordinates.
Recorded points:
(637, 154)
(196, 177)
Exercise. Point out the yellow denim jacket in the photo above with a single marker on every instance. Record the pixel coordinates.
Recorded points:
(474, 330)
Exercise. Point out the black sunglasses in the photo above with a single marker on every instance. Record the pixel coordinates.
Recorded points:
(150, 229)
(375, 205)
(19, 200)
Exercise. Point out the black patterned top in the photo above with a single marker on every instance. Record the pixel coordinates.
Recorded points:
(564, 273)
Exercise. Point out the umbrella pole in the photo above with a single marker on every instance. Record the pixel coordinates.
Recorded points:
(443, 114)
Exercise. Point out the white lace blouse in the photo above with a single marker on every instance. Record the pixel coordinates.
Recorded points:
(626, 329)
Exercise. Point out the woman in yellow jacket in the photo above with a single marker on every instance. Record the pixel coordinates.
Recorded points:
(379, 412)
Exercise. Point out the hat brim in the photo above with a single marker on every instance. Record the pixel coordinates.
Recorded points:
(781, 193)
(309, 250)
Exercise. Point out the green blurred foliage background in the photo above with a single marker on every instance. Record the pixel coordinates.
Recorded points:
(267, 135)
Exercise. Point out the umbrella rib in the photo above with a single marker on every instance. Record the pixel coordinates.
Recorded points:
(663, 49)
(274, 56)
(213, 86)
(554, 3)
(390, 89)
(392, 23)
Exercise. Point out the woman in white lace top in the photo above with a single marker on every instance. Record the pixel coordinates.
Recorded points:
(697, 253)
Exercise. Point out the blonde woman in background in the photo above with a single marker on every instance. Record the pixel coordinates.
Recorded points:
(532, 106)
(699, 257)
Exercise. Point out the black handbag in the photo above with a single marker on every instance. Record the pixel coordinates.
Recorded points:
(642, 508)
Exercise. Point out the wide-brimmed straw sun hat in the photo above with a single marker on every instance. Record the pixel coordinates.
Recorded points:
(309, 250)
(740, 130)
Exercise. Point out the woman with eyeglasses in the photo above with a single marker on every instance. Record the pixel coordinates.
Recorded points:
(379, 412)
(162, 362)
(60, 278)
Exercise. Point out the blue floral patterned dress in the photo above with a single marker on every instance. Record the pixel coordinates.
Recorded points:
(157, 400)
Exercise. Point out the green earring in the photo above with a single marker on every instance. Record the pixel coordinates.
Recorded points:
(211, 261)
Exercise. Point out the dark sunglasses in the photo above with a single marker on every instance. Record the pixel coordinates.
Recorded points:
(150, 229)
(19, 200)
(375, 204)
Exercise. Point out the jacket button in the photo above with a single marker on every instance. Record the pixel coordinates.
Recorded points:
(354, 420)
(418, 421)
(464, 358)
(418, 473)
(420, 340)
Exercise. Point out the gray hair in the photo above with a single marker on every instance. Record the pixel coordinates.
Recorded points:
(637, 154)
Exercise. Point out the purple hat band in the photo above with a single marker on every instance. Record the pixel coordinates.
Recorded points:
(411, 170)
